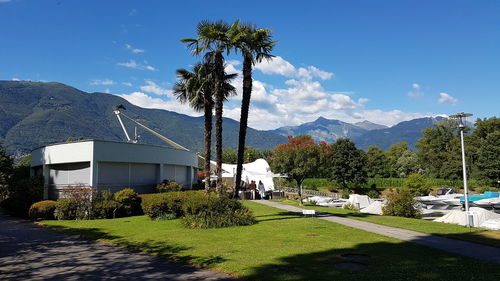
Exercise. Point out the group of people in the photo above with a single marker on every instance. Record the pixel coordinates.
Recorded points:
(253, 188)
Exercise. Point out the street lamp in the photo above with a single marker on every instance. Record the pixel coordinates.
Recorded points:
(461, 125)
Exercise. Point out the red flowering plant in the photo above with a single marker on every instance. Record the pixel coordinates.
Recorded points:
(298, 159)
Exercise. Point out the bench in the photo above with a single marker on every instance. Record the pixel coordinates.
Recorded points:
(309, 212)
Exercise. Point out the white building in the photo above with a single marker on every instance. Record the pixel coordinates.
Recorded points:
(112, 166)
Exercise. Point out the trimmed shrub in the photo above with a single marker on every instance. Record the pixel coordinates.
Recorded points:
(172, 202)
(43, 210)
(130, 201)
(105, 195)
(67, 209)
(213, 212)
(106, 209)
(168, 186)
(401, 204)
(166, 217)
(417, 185)
(84, 197)
(373, 193)
(154, 205)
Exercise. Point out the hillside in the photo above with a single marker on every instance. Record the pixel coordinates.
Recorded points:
(34, 114)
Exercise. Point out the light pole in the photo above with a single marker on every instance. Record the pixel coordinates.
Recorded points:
(461, 125)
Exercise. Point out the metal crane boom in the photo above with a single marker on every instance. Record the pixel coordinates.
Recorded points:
(163, 138)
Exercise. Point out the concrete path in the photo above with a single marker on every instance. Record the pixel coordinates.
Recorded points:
(31, 252)
(464, 248)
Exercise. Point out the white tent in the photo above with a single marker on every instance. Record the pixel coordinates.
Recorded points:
(258, 170)
(481, 218)
(374, 208)
(363, 200)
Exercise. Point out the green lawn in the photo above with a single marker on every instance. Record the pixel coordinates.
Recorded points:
(283, 246)
(477, 235)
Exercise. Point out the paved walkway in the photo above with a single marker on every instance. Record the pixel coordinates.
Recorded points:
(31, 252)
(464, 248)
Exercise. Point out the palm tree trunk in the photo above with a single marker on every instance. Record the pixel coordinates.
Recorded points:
(208, 139)
(219, 99)
(245, 106)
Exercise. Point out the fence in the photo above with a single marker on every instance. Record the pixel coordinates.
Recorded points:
(310, 192)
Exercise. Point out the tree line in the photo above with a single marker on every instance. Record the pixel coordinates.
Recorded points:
(438, 155)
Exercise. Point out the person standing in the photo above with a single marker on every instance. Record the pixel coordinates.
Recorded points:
(262, 190)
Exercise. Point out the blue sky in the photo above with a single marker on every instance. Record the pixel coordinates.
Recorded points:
(385, 61)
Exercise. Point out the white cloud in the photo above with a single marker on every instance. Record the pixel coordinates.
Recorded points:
(146, 101)
(135, 65)
(134, 50)
(15, 78)
(102, 82)
(446, 98)
(416, 91)
(127, 84)
(4, 1)
(156, 89)
(278, 65)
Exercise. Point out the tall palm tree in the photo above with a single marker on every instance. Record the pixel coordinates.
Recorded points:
(197, 88)
(214, 39)
(255, 45)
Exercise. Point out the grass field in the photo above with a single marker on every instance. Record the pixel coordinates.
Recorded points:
(283, 246)
(476, 235)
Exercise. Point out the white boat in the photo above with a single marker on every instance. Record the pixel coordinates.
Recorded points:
(446, 198)
(488, 203)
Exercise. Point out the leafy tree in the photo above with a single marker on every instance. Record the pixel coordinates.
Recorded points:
(395, 152)
(439, 151)
(489, 158)
(251, 154)
(197, 88)
(267, 154)
(408, 164)
(348, 164)
(6, 171)
(401, 204)
(298, 159)
(417, 185)
(255, 45)
(229, 156)
(215, 39)
(377, 163)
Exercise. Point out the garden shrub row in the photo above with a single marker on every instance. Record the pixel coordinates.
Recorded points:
(197, 209)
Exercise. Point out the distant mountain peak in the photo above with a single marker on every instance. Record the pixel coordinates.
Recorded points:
(367, 125)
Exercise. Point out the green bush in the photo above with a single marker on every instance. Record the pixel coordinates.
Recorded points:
(344, 193)
(169, 186)
(214, 212)
(350, 206)
(417, 185)
(166, 217)
(67, 209)
(482, 189)
(105, 195)
(401, 204)
(42, 210)
(23, 192)
(373, 193)
(106, 209)
(130, 202)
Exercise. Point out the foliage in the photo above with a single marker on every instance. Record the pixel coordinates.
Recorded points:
(166, 217)
(106, 209)
(42, 210)
(486, 144)
(350, 206)
(439, 151)
(299, 158)
(84, 197)
(214, 212)
(22, 193)
(377, 163)
(417, 185)
(407, 164)
(373, 193)
(401, 204)
(168, 186)
(104, 195)
(348, 164)
(130, 201)
(68, 209)
(154, 205)
(6, 172)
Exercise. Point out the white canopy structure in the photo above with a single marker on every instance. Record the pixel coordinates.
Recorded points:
(481, 218)
(258, 170)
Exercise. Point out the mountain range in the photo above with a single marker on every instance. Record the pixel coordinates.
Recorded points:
(34, 114)
(363, 133)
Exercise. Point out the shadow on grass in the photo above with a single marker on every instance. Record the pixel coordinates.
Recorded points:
(164, 249)
(279, 216)
(379, 261)
(493, 239)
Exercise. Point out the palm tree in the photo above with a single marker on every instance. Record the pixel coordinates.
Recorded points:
(197, 88)
(255, 45)
(214, 39)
